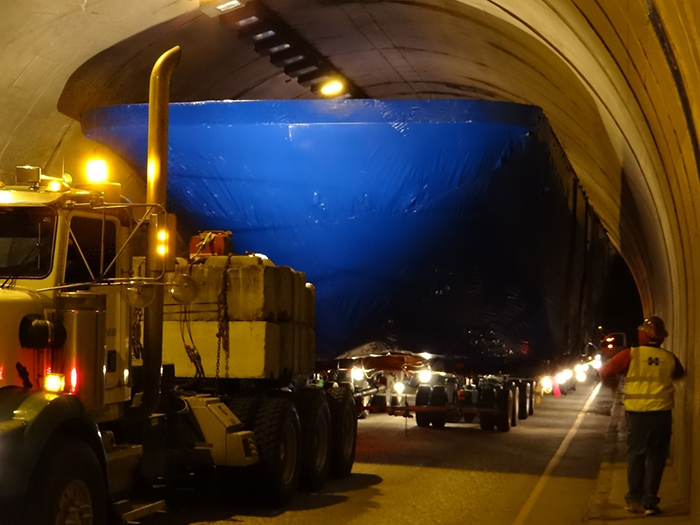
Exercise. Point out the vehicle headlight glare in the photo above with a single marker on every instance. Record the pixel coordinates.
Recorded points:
(560, 378)
(358, 374)
(596, 364)
(547, 385)
(581, 377)
(399, 388)
(424, 376)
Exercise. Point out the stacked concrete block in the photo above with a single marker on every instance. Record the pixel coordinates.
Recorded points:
(272, 317)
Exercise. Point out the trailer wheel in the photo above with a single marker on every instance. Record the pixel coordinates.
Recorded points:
(524, 399)
(423, 400)
(505, 409)
(278, 436)
(438, 398)
(316, 432)
(68, 488)
(533, 388)
(344, 424)
(487, 420)
(515, 412)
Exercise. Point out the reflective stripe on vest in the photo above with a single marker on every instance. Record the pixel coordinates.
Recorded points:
(649, 381)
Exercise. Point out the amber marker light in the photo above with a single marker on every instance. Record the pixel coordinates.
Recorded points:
(332, 88)
(54, 186)
(54, 383)
(96, 170)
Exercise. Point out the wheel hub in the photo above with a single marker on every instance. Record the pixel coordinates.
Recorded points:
(75, 505)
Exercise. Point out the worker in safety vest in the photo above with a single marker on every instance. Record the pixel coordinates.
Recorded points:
(649, 371)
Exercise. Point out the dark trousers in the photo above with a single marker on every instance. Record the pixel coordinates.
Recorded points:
(648, 441)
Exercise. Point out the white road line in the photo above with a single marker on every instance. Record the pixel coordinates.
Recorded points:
(530, 503)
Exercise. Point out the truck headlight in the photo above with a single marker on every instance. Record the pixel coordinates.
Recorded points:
(399, 388)
(547, 385)
(358, 374)
(424, 376)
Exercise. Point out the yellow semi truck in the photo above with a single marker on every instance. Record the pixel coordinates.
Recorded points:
(121, 370)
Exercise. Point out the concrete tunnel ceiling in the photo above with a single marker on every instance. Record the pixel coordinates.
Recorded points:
(618, 80)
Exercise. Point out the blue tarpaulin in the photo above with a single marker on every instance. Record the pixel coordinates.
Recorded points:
(441, 225)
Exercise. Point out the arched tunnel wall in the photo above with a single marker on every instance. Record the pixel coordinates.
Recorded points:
(619, 82)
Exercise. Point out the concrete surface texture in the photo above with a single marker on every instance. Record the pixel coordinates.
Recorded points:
(618, 80)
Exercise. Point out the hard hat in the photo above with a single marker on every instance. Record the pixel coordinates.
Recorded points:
(654, 328)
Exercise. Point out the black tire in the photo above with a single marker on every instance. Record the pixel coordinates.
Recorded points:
(69, 480)
(438, 398)
(487, 399)
(423, 400)
(524, 399)
(515, 412)
(344, 424)
(533, 388)
(245, 408)
(278, 436)
(316, 432)
(505, 409)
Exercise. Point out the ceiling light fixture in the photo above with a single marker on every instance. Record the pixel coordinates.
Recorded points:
(218, 7)
(332, 88)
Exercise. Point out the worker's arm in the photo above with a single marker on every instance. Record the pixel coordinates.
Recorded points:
(679, 371)
(615, 367)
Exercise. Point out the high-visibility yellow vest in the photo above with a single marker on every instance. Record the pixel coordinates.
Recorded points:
(649, 381)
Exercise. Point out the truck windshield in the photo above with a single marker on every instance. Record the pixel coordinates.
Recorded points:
(26, 241)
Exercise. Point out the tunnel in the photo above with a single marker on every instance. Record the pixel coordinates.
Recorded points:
(618, 83)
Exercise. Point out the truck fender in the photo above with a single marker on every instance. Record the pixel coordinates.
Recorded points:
(38, 420)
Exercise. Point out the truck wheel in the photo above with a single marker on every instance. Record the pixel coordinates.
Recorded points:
(68, 488)
(438, 398)
(487, 420)
(515, 412)
(245, 408)
(278, 436)
(533, 388)
(315, 419)
(505, 409)
(344, 424)
(423, 400)
(524, 399)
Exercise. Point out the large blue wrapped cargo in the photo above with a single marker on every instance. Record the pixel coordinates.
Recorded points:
(448, 226)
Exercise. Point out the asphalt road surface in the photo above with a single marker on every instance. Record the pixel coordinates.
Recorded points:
(542, 471)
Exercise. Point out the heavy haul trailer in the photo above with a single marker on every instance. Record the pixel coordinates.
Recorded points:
(89, 410)
(403, 383)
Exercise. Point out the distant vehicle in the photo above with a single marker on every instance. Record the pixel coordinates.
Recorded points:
(612, 344)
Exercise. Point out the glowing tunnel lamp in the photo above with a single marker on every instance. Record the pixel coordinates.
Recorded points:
(96, 170)
(73, 380)
(332, 88)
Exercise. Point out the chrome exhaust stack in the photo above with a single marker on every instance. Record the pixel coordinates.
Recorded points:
(157, 187)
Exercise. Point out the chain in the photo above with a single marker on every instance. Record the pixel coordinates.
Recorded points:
(222, 334)
(136, 320)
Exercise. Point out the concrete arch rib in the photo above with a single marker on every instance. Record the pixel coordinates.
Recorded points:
(563, 30)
